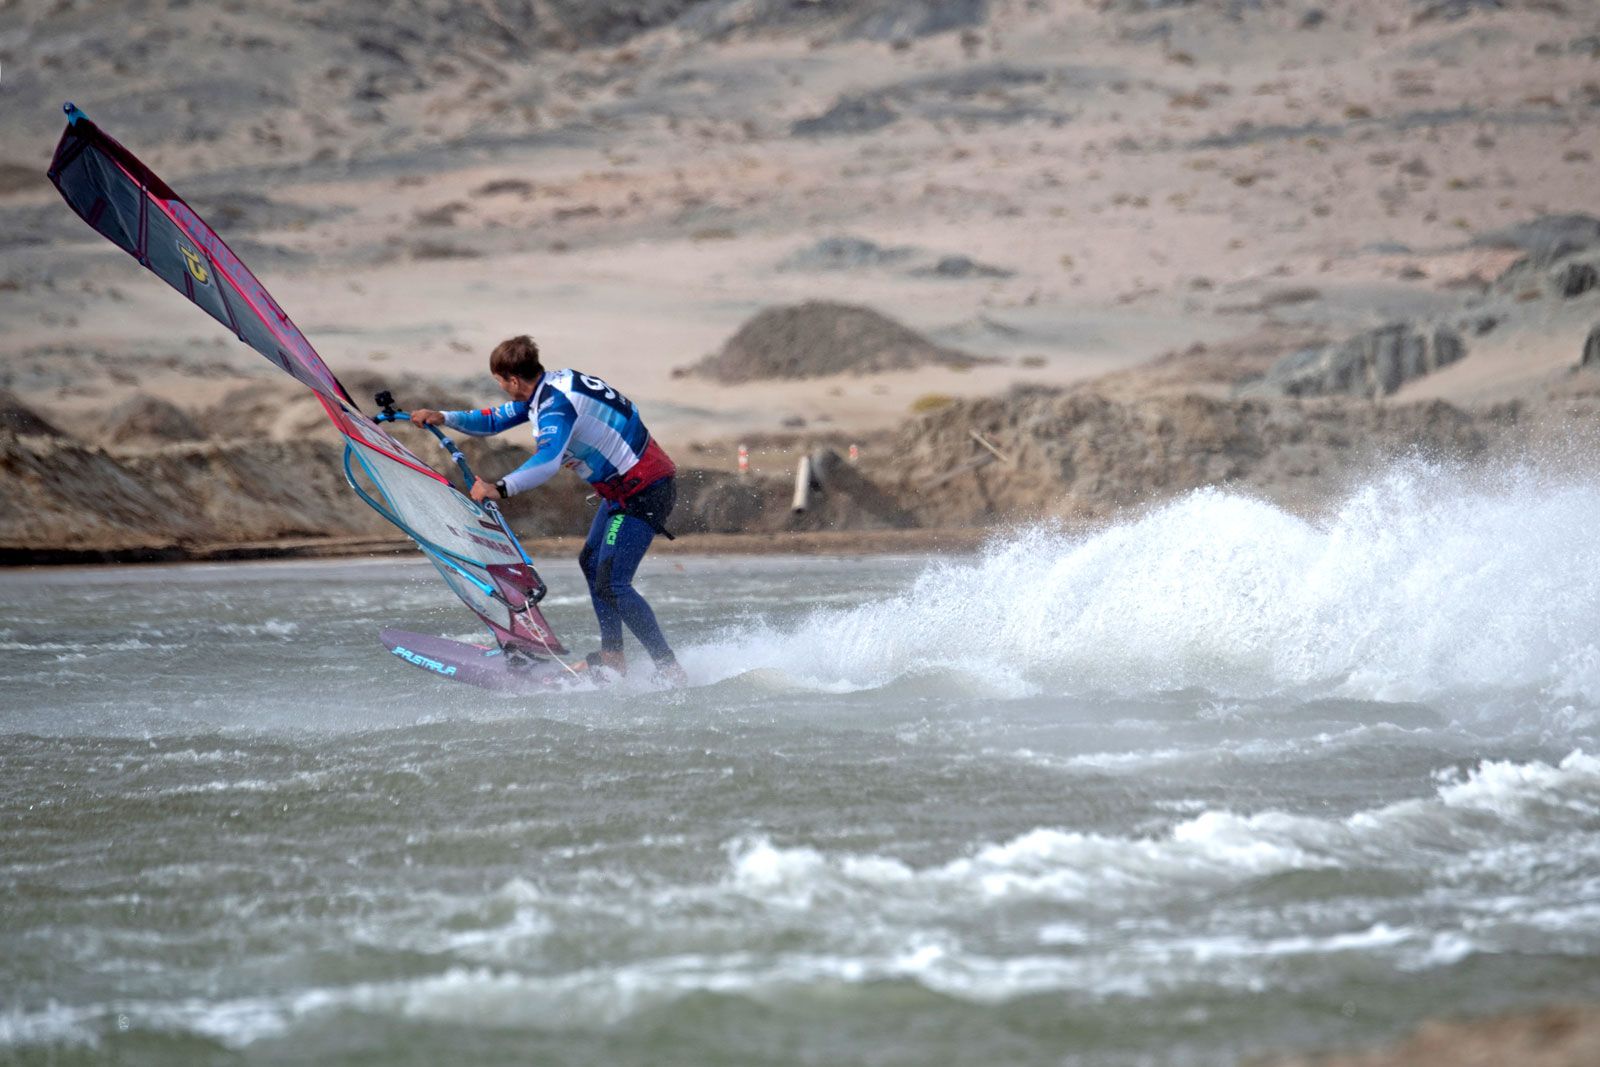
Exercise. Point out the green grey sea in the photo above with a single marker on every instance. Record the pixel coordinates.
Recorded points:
(1212, 782)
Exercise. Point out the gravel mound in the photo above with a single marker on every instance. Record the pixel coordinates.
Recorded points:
(819, 338)
(149, 420)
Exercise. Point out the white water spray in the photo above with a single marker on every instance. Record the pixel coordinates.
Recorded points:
(1421, 584)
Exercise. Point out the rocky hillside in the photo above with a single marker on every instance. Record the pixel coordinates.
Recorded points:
(1081, 454)
(1032, 453)
(283, 83)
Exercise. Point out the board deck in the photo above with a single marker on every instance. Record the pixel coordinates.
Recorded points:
(461, 661)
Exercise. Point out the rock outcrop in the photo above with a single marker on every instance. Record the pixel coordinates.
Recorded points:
(1371, 364)
(1546, 238)
(163, 501)
(88, 500)
(18, 418)
(1575, 279)
(1081, 454)
(843, 253)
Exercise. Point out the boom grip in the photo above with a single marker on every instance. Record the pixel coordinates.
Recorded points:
(388, 413)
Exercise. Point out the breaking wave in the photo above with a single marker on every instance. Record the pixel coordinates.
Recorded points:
(1424, 583)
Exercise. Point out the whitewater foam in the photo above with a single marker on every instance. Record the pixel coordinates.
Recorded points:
(1420, 585)
(1467, 826)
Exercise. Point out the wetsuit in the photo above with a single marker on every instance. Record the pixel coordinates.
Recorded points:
(586, 425)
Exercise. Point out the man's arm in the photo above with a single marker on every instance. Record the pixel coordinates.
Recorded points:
(555, 430)
(480, 423)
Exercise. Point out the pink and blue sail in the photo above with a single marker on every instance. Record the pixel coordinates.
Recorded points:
(471, 545)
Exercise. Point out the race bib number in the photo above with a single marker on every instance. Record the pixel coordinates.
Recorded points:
(590, 386)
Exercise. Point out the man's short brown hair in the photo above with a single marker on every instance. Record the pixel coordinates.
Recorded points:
(516, 357)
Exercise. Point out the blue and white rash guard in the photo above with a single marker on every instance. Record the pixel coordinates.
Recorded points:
(583, 424)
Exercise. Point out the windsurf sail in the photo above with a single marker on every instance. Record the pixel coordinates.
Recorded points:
(472, 546)
(129, 205)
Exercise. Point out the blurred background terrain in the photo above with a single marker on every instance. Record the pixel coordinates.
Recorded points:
(1033, 259)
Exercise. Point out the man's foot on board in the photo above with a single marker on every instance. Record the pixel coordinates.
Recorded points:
(673, 673)
(614, 661)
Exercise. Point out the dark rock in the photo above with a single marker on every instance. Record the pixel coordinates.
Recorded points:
(1290, 296)
(442, 250)
(1372, 364)
(443, 215)
(850, 114)
(890, 21)
(962, 267)
(1546, 238)
(583, 22)
(991, 93)
(905, 20)
(1232, 9)
(1247, 133)
(1450, 10)
(977, 81)
(18, 418)
(1591, 349)
(1532, 274)
(1575, 279)
(1447, 349)
(1139, 7)
(502, 186)
(843, 253)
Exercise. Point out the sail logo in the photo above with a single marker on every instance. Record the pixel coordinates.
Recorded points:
(420, 660)
(197, 266)
(480, 540)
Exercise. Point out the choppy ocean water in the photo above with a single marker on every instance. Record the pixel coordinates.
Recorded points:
(1210, 782)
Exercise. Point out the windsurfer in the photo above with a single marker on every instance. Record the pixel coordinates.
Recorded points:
(583, 423)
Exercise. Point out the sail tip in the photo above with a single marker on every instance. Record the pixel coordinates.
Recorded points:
(73, 114)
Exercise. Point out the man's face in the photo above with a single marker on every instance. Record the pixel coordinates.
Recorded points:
(516, 388)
